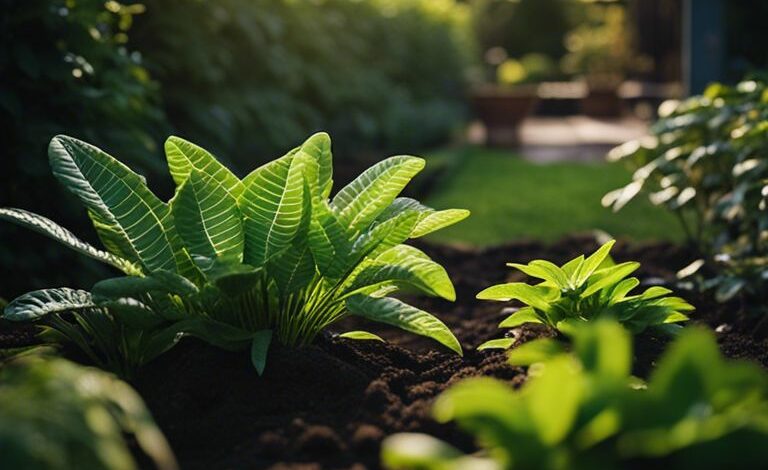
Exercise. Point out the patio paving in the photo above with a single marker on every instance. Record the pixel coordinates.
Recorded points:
(570, 138)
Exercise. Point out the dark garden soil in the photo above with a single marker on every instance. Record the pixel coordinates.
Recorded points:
(329, 405)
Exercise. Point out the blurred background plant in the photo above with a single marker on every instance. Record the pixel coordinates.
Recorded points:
(531, 68)
(66, 69)
(250, 79)
(706, 162)
(55, 414)
(582, 409)
(600, 49)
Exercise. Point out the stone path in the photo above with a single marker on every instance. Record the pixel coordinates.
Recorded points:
(570, 138)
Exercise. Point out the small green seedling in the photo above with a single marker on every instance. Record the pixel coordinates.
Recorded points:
(238, 262)
(585, 289)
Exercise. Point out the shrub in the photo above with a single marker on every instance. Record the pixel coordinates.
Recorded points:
(584, 410)
(66, 69)
(583, 290)
(235, 262)
(249, 78)
(705, 162)
(523, 27)
(55, 414)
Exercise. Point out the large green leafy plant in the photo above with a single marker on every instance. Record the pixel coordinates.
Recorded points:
(238, 261)
(56, 415)
(585, 289)
(705, 161)
(583, 409)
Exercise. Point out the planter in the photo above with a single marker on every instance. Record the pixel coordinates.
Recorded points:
(602, 101)
(502, 111)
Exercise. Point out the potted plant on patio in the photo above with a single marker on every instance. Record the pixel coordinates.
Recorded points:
(598, 51)
(503, 105)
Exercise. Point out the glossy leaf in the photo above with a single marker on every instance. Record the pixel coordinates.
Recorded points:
(405, 264)
(259, 349)
(184, 158)
(362, 200)
(40, 303)
(207, 218)
(397, 313)
(272, 206)
(118, 197)
(51, 229)
(361, 336)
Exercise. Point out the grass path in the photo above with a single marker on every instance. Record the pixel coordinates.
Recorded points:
(511, 199)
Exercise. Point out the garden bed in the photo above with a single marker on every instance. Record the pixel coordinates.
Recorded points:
(333, 402)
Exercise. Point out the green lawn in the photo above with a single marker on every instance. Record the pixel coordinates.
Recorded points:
(511, 198)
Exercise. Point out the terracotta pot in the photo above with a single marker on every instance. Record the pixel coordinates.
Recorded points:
(602, 102)
(502, 111)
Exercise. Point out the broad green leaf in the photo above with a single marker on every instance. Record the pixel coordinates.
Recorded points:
(219, 334)
(404, 264)
(572, 266)
(207, 218)
(362, 200)
(623, 288)
(429, 219)
(554, 398)
(480, 399)
(384, 235)
(234, 278)
(522, 316)
(535, 296)
(272, 206)
(655, 292)
(538, 350)
(328, 242)
(437, 220)
(134, 286)
(403, 204)
(118, 197)
(53, 230)
(326, 237)
(397, 313)
(604, 347)
(499, 343)
(608, 276)
(318, 146)
(555, 274)
(361, 336)
(185, 157)
(114, 241)
(37, 304)
(259, 349)
(593, 262)
(294, 268)
(544, 270)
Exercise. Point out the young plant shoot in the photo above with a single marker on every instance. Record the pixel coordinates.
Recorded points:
(585, 289)
(239, 262)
